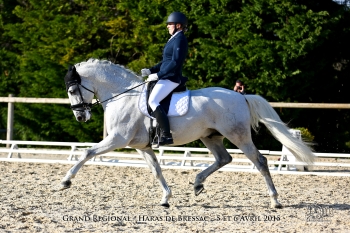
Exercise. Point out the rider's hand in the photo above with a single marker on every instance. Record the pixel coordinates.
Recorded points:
(152, 77)
(145, 72)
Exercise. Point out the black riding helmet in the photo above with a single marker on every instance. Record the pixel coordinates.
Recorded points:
(178, 17)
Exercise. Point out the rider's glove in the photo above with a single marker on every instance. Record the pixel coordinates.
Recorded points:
(152, 77)
(145, 72)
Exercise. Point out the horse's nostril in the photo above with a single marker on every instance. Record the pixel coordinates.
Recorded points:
(79, 118)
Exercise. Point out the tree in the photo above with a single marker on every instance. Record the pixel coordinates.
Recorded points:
(8, 64)
(49, 37)
(292, 51)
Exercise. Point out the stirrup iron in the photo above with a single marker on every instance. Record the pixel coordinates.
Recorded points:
(156, 139)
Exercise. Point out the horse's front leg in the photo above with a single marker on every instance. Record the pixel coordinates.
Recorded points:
(111, 142)
(153, 164)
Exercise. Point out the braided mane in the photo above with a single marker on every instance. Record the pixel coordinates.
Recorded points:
(109, 64)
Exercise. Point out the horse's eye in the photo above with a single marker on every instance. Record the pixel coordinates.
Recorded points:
(71, 90)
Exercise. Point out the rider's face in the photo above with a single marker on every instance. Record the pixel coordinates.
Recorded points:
(171, 27)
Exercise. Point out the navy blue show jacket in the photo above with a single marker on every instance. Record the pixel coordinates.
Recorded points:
(174, 54)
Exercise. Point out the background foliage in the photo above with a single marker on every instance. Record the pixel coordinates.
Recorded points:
(285, 51)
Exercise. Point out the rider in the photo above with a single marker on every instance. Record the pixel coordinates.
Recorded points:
(168, 72)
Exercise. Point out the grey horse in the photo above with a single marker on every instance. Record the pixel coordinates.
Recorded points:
(214, 114)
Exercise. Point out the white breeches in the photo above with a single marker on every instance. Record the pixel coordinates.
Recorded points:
(160, 91)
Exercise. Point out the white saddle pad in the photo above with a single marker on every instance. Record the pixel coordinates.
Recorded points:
(178, 105)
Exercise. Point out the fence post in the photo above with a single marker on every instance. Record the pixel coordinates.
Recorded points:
(104, 126)
(10, 115)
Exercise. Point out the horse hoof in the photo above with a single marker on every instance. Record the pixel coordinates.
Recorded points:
(276, 205)
(198, 189)
(65, 184)
(165, 205)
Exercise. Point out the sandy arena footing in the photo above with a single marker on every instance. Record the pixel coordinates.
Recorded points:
(125, 199)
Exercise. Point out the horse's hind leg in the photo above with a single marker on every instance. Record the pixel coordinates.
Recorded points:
(222, 157)
(260, 162)
(153, 164)
(261, 165)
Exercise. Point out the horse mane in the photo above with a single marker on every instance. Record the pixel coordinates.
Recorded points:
(106, 63)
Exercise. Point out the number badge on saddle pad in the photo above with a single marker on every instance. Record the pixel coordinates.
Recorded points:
(178, 105)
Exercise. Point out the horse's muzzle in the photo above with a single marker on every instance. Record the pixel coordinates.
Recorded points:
(82, 116)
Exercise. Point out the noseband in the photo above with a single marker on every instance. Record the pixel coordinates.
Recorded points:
(73, 78)
(82, 106)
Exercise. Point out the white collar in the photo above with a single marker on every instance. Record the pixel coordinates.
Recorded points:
(174, 35)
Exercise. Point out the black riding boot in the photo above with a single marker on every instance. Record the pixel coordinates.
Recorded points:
(163, 121)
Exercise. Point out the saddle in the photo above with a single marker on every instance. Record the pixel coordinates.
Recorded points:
(175, 104)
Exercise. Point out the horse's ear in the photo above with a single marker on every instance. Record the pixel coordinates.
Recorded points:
(71, 68)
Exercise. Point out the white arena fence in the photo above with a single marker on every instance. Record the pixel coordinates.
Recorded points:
(11, 100)
(190, 158)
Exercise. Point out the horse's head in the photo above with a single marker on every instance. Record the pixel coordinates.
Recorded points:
(80, 96)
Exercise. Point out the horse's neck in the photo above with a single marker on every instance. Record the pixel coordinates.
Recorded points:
(109, 81)
(114, 86)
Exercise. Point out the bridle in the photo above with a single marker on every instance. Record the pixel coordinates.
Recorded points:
(82, 106)
(73, 78)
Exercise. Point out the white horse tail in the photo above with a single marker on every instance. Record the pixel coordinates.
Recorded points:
(261, 110)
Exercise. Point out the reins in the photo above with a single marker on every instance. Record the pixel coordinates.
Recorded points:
(88, 106)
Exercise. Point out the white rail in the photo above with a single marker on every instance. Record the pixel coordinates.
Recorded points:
(190, 159)
(11, 100)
